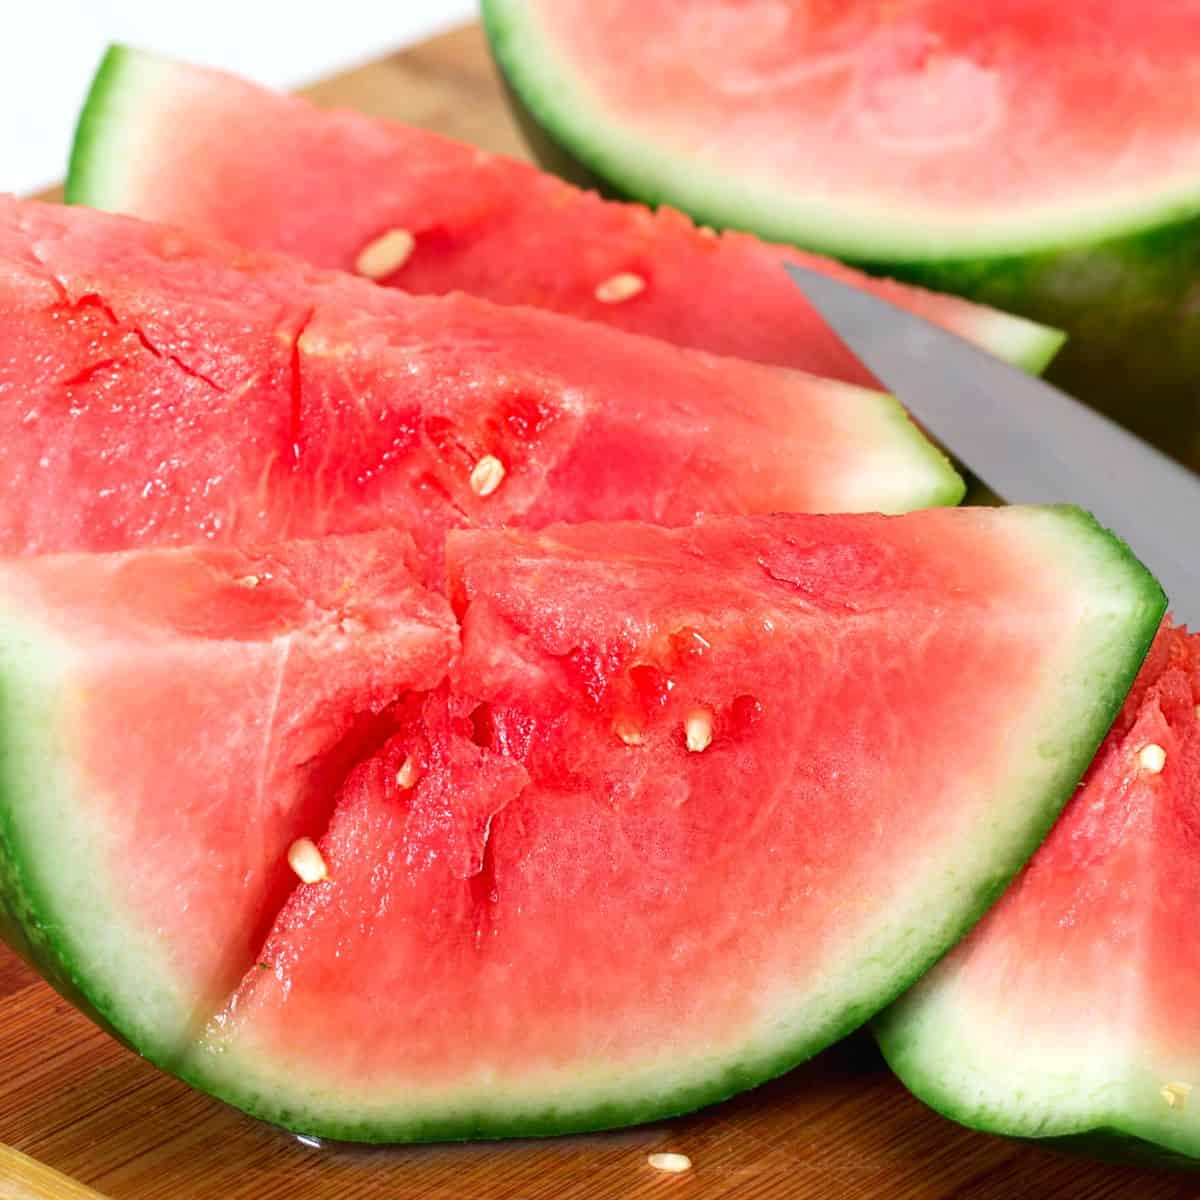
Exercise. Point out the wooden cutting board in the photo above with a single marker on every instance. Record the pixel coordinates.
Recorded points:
(839, 1128)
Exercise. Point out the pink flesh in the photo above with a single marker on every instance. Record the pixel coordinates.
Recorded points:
(324, 185)
(590, 903)
(161, 387)
(1117, 881)
(263, 674)
(910, 104)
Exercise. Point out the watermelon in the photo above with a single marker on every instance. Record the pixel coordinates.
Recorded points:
(1039, 157)
(641, 817)
(409, 208)
(160, 387)
(1066, 1014)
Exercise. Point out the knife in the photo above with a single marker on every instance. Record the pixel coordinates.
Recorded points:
(1029, 442)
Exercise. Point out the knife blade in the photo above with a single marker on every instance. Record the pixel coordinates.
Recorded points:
(1028, 441)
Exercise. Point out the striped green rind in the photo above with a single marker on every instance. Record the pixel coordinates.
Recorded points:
(1122, 607)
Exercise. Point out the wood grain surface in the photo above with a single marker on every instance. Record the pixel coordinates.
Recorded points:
(839, 1127)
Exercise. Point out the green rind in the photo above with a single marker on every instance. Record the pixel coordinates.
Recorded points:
(1103, 679)
(32, 920)
(91, 147)
(1109, 1135)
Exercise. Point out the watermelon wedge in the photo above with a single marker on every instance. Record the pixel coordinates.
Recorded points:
(667, 813)
(1043, 158)
(1066, 1013)
(160, 387)
(412, 209)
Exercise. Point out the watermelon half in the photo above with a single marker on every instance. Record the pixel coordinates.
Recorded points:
(643, 817)
(161, 387)
(414, 210)
(1067, 1013)
(1043, 158)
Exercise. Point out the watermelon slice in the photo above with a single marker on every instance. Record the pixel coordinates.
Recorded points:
(1067, 1012)
(160, 387)
(429, 215)
(1040, 157)
(671, 811)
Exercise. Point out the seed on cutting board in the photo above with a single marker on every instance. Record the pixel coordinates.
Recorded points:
(698, 730)
(620, 287)
(675, 1164)
(1152, 758)
(487, 475)
(385, 254)
(307, 861)
(407, 775)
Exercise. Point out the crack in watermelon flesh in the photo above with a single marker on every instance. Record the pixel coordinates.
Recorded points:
(153, 141)
(1067, 1011)
(531, 920)
(161, 387)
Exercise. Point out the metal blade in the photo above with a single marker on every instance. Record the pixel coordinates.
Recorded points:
(1028, 441)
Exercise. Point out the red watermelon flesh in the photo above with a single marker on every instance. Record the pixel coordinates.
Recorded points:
(176, 718)
(161, 387)
(1067, 1011)
(154, 141)
(753, 787)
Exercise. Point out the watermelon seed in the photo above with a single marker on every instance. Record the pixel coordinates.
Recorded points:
(629, 734)
(487, 475)
(698, 730)
(306, 860)
(619, 288)
(673, 1163)
(249, 581)
(407, 775)
(1175, 1094)
(1152, 758)
(385, 254)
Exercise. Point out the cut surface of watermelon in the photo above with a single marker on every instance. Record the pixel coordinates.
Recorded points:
(161, 387)
(928, 131)
(171, 721)
(1040, 158)
(1065, 1013)
(667, 813)
(153, 141)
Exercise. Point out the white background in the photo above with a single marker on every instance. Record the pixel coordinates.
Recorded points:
(50, 48)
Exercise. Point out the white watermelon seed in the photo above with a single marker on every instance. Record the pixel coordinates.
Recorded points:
(407, 775)
(675, 1164)
(305, 859)
(1175, 1094)
(629, 733)
(619, 288)
(250, 581)
(487, 476)
(698, 730)
(1152, 758)
(385, 254)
